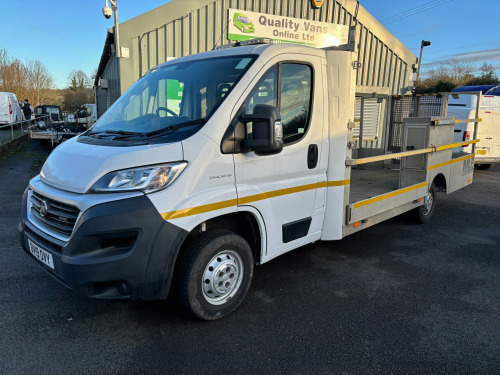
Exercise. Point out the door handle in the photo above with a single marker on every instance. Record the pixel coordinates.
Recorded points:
(312, 156)
(489, 138)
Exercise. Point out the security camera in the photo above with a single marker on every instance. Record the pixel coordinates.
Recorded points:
(107, 12)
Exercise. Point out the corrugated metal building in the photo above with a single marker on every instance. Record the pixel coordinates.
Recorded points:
(185, 27)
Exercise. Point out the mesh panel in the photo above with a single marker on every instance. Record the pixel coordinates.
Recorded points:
(410, 106)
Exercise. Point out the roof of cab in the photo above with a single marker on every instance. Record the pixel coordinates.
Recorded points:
(255, 49)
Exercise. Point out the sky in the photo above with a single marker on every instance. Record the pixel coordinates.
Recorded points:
(68, 35)
(457, 29)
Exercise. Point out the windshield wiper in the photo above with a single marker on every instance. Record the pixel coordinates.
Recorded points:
(171, 128)
(119, 132)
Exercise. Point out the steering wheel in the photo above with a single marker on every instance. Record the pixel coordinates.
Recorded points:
(159, 109)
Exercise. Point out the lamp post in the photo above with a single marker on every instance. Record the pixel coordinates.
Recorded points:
(107, 11)
(424, 43)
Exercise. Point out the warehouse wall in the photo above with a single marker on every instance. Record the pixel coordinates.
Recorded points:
(106, 96)
(385, 62)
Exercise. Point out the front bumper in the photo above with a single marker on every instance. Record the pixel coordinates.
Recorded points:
(119, 249)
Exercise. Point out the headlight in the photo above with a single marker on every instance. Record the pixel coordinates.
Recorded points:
(148, 179)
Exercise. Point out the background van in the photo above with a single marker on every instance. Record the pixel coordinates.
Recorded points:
(10, 111)
(464, 107)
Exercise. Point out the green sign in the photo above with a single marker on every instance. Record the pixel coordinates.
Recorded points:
(245, 25)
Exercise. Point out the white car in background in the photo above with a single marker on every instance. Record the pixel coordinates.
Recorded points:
(464, 107)
(10, 111)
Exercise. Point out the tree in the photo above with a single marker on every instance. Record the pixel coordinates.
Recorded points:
(29, 80)
(40, 80)
(444, 86)
(78, 80)
(446, 76)
(79, 90)
(487, 76)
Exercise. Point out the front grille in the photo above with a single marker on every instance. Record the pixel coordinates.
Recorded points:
(60, 217)
(43, 241)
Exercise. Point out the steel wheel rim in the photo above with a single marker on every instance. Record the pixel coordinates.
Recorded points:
(222, 277)
(428, 203)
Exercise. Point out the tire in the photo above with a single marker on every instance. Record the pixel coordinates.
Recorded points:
(484, 167)
(424, 213)
(214, 274)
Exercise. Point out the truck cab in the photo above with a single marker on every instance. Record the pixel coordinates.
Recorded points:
(214, 163)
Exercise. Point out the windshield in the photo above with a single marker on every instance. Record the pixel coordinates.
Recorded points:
(245, 20)
(186, 93)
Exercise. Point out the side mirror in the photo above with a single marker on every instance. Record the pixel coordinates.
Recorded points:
(266, 137)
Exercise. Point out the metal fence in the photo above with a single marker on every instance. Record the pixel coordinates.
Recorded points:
(411, 106)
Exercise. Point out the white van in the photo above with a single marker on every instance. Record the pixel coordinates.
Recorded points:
(216, 162)
(10, 111)
(464, 106)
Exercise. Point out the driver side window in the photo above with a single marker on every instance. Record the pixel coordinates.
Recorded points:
(265, 92)
(293, 99)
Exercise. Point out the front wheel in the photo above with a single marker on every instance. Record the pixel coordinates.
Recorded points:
(214, 274)
(424, 213)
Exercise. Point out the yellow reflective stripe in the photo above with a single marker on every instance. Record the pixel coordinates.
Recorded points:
(451, 161)
(453, 145)
(199, 210)
(251, 198)
(276, 193)
(388, 195)
(338, 183)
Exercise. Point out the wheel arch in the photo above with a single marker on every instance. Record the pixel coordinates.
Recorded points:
(440, 183)
(244, 223)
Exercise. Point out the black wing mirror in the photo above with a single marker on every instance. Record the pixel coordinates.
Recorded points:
(266, 137)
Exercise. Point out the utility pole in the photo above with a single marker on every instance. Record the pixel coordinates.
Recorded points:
(424, 43)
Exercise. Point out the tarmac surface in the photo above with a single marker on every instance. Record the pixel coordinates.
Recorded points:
(397, 298)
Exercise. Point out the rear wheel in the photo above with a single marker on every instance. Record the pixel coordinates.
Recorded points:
(424, 213)
(484, 167)
(214, 274)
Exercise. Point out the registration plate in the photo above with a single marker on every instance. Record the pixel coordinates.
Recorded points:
(43, 256)
(480, 152)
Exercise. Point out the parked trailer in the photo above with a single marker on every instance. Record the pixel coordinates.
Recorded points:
(53, 135)
(51, 127)
(253, 160)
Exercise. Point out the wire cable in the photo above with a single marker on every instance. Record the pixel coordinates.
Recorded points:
(413, 11)
(433, 2)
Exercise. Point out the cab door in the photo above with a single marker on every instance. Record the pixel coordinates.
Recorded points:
(283, 188)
